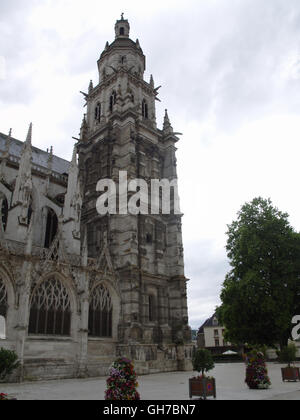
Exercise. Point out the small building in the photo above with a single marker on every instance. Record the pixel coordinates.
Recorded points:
(211, 336)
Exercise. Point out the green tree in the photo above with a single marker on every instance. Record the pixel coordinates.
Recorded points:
(261, 293)
(203, 361)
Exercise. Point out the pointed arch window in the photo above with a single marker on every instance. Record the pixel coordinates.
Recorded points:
(51, 228)
(112, 101)
(152, 308)
(4, 213)
(2, 328)
(145, 109)
(100, 313)
(98, 112)
(50, 309)
(3, 299)
(3, 309)
(30, 211)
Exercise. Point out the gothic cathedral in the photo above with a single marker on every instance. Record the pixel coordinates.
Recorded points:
(79, 288)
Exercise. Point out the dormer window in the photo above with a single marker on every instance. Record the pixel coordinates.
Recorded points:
(145, 109)
(98, 112)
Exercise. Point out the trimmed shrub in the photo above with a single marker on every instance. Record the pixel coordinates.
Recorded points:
(8, 362)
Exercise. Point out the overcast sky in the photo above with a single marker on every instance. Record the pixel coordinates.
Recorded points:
(230, 76)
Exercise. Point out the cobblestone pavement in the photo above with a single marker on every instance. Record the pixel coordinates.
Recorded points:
(163, 386)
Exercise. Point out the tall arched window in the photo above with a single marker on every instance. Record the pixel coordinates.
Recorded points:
(152, 308)
(30, 211)
(100, 313)
(3, 299)
(3, 309)
(98, 112)
(4, 213)
(51, 228)
(112, 101)
(50, 309)
(145, 109)
(2, 328)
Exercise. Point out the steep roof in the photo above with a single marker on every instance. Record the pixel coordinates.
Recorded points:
(209, 323)
(39, 157)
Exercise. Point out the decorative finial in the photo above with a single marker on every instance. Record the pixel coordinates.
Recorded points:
(167, 125)
(151, 81)
(29, 135)
(122, 16)
(10, 131)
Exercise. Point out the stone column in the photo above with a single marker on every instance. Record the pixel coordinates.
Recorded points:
(83, 332)
(23, 298)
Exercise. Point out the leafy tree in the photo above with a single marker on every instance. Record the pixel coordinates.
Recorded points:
(288, 354)
(261, 293)
(203, 361)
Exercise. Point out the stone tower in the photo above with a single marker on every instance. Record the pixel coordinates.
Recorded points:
(79, 287)
(119, 133)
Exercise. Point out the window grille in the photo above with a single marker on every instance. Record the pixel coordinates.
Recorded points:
(50, 310)
(100, 313)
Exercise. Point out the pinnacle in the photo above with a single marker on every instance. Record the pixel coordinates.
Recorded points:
(29, 135)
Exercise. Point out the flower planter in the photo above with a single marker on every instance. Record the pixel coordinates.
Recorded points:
(290, 374)
(202, 387)
(5, 397)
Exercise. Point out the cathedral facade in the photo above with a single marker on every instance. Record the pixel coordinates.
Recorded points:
(79, 288)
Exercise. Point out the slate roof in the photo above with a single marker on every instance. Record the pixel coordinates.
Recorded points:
(39, 157)
(208, 323)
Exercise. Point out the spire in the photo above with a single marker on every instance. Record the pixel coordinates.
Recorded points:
(151, 81)
(167, 125)
(91, 87)
(23, 187)
(83, 129)
(50, 159)
(137, 43)
(73, 199)
(29, 136)
(74, 157)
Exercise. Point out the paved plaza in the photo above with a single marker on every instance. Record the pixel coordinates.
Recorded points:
(162, 386)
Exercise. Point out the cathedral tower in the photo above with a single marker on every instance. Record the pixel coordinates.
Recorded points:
(78, 286)
(119, 136)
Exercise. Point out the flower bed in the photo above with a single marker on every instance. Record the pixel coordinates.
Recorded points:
(5, 397)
